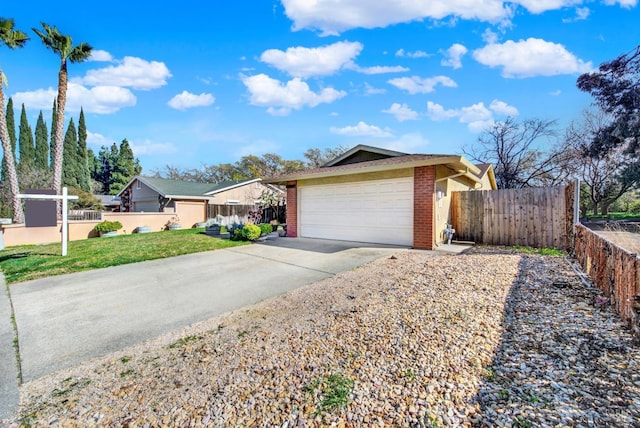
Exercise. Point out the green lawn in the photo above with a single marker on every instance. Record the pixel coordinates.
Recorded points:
(27, 262)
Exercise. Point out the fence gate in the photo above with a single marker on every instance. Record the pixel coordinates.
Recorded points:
(532, 217)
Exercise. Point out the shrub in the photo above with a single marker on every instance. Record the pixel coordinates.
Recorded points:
(265, 228)
(235, 231)
(634, 208)
(251, 232)
(107, 226)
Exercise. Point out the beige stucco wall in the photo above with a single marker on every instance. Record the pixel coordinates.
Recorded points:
(398, 173)
(191, 212)
(245, 195)
(17, 234)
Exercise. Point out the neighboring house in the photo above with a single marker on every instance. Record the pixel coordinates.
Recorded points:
(187, 199)
(369, 194)
(109, 202)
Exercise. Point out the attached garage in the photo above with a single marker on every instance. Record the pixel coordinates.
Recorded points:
(379, 211)
(374, 195)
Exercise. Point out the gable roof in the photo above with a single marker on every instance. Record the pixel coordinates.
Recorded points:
(487, 169)
(395, 160)
(180, 189)
(361, 153)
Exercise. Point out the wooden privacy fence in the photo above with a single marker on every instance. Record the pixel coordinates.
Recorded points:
(614, 270)
(531, 217)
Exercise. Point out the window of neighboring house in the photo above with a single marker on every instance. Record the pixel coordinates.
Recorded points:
(233, 202)
(138, 184)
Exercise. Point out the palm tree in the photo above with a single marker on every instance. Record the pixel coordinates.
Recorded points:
(12, 39)
(63, 46)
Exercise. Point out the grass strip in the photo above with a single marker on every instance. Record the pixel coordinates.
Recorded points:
(28, 262)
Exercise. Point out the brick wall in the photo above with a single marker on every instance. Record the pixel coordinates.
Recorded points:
(423, 207)
(292, 209)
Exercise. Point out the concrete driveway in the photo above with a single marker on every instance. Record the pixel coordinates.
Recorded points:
(65, 320)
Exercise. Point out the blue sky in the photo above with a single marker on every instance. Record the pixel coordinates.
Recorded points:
(197, 82)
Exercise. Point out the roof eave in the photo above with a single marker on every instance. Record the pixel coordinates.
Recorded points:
(190, 198)
(213, 192)
(455, 162)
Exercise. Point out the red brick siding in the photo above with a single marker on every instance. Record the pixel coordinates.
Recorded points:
(292, 209)
(423, 207)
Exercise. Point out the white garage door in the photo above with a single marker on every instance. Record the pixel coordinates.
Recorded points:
(379, 211)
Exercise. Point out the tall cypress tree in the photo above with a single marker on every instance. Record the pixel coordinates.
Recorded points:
(70, 159)
(83, 165)
(42, 145)
(25, 143)
(11, 125)
(52, 141)
(11, 128)
(126, 168)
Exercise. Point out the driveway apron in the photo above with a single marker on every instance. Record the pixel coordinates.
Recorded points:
(68, 319)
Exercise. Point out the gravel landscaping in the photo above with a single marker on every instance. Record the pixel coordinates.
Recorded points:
(492, 337)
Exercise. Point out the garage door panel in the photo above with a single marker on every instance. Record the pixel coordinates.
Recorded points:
(375, 211)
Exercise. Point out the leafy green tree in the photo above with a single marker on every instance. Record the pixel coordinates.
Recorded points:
(84, 176)
(70, 164)
(85, 200)
(26, 147)
(42, 144)
(12, 39)
(62, 46)
(616, 89)
(126, 167)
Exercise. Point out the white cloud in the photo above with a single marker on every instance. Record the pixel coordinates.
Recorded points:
(378, 69)
(489, 37)
(333, 17)
(133, 72)
(187, 100)
(453, 56)
(100, 55)
(402, 112)
(555, 93)
(539, 6)
(416, 54)
(147, 147)
(418, 85)
(627, 4)
(98, 140)
(582, 13)
(282, 98)
(370, 90)
(500, 107)
(308, 62)
(477, 116)
(362, 130)
(408, 143)
(99, 99)
(531, 57)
